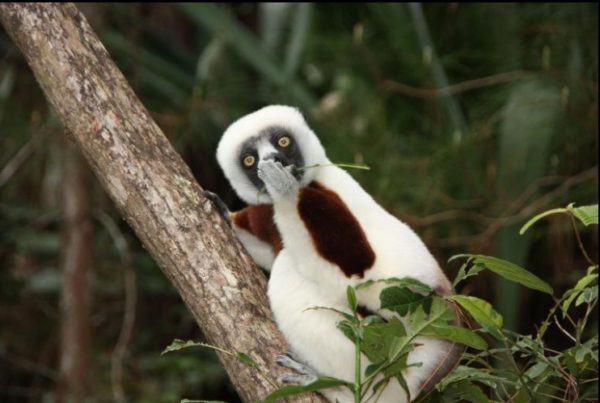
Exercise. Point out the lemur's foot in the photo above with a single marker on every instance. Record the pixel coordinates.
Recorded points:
(219, 204)
(305, 373)
(297, 379)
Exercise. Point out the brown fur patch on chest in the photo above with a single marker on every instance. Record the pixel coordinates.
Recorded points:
(335, 232)
(258, 220)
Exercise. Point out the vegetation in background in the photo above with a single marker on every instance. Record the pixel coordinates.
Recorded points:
(472, 118)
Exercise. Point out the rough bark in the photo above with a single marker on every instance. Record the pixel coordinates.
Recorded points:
(76, 262)
(152, 187)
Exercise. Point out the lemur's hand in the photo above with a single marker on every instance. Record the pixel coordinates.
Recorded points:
(219, 204)
(279, 180)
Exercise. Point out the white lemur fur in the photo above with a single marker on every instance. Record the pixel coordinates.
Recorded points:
(309, 269)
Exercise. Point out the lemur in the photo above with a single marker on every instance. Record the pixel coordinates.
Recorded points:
(317, 231)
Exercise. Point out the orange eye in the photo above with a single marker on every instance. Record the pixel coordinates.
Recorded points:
(249, 160)
(284, 141)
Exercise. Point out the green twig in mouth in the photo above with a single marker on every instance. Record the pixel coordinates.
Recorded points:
(340, 164)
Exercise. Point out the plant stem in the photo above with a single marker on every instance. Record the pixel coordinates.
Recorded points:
(517, 369)
(580, 243)
(357, 367)
(546, 322)
(581, 324)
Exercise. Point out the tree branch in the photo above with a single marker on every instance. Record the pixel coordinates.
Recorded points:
(151, 186)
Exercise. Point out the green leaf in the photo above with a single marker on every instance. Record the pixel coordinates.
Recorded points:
(403, 384)
(538, 217)
(246, 359)
(179, 344)
(590, 348)
(587, 295)
(405, 282)
(318, 384)
(463, 372)
(526, 344)
(465, 392)
(467, 256)
(522, 396)
(398, 347)
(457, 334)
(512, 272)
(536, 370)
(402, 300)
(411, 283)
(378, 337)
(588, 215)
(574, 292)
(483, 312)
(463, 273)
(348, 329)
(442, 310)
(374, 368)
(351, 295)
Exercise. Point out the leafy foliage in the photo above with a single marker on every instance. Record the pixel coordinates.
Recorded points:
(532, 371)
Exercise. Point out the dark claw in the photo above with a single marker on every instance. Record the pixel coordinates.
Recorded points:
(219, 204)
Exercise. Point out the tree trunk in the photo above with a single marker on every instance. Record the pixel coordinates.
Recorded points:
(76, 261)
(152, 188)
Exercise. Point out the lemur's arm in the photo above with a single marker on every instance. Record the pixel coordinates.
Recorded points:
(255, 228)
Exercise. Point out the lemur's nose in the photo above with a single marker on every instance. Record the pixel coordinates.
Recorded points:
(277, 158)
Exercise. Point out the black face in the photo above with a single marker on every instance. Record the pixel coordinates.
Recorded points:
(288, 153)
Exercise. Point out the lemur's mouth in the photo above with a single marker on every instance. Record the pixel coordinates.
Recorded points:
(297, 172)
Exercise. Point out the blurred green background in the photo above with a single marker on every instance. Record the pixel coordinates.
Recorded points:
(472, 117)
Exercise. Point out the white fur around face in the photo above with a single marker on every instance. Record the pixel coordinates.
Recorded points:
(249, 126)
